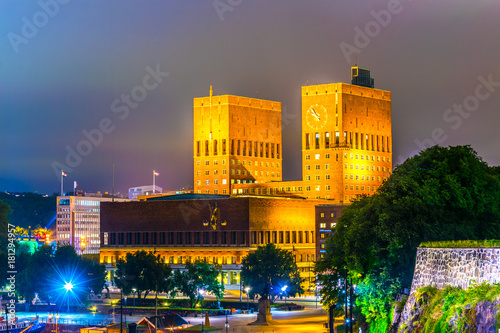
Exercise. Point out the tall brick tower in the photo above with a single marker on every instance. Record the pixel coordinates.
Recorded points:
(346, 138)
(236, 140)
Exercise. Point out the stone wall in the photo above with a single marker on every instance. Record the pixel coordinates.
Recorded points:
(458, 267)
(439, 267)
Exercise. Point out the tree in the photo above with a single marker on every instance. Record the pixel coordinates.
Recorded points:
(269, 269)
(144, 272)
(198, 276)
(441, 194)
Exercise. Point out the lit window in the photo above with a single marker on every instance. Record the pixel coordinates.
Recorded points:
(317, 156)
(318, 187)
(322, 215)
(308, 177)
(207, 182)
(322, 225)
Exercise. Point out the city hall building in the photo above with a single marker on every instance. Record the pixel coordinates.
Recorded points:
(240, 201)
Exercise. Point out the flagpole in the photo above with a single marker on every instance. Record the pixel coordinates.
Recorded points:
(62, 180)
(154, 177)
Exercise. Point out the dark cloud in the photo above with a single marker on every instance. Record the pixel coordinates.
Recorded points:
(64, 79)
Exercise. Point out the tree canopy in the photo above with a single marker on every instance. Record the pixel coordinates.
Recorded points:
(144, 272)
(269, 269)
(46, 272)
(440, 194)
(197, 276)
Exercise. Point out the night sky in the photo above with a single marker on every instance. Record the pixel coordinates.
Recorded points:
(65, 67)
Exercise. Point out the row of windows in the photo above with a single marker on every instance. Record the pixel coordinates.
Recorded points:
(352, 156)
(362, 177)
(208, 237)
(353, 139)
(362, 187)
(332, 214)
(239, 147)
(362, 166)
(240, 172)
(239, 162)
(264, 190)
(323, 225)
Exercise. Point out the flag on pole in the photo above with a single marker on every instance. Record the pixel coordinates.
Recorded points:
(156, 173)
(63, 174)
(75, 185)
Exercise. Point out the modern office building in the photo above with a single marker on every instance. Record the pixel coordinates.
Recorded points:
(78, 221)
(135, 192)
(326, 219)
(236, 140)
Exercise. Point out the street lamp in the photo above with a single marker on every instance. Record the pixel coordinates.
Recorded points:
(247, 289)
(201, 291)
(68, 286)
(283, 289)
(57, 317)
(134, 290)
(227, 324)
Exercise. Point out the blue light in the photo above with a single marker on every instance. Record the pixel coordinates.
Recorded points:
(68, 286)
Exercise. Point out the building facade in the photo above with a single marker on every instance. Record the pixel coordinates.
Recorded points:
(326, 219)
(219, 229)
(346, 140)
(78, 221)
(236, 140)
(135, 192)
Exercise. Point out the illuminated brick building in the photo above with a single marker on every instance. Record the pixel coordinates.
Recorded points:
(178, 228)
(346, 142)
(346, 139)
(346, 151)
(236, 140)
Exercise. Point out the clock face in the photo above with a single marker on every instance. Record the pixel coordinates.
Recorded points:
(316, 116)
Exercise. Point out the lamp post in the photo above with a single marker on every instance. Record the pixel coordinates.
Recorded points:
(247, 289)
(57, 317)
(201, 291)
(134, 290)
(69, 287)
(283, 289)
(227, 324)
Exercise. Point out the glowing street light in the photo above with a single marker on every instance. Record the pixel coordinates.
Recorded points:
(283, 289)
(247, 289)
(134, 290)
(68, 286)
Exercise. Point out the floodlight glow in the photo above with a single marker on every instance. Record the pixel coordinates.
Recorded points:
(68, 286)
(284, 287)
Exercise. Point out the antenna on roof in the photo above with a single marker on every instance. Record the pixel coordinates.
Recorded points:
(356, 60)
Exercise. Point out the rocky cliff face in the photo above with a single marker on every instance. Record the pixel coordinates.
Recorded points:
(456, 267)
(478, 319)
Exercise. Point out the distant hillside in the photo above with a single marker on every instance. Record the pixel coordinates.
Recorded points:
(30, 209)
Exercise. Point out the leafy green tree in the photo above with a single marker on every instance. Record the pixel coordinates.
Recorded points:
(197, 276)
(269, 269)
(144, 272)
(440, 194)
